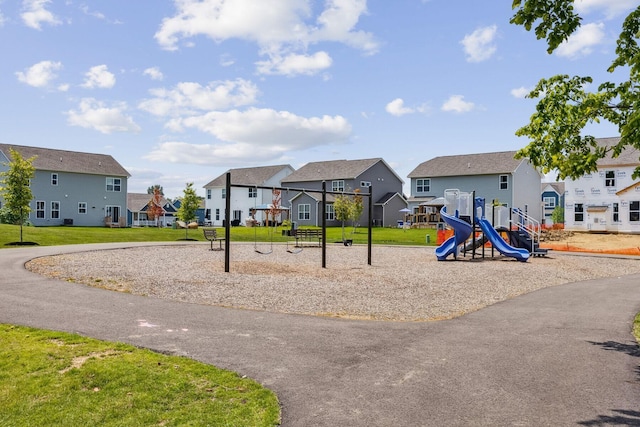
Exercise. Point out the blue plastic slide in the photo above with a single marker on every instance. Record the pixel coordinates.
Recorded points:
(498, 242)
(461, 232)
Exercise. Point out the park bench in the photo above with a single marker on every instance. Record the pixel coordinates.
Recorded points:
(307, 235)
(212, 235)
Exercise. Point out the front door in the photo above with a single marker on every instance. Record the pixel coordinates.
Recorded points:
(113, 212)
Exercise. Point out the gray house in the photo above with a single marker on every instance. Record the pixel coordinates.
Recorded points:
(494, 176)
(73, 188)
(346, 175)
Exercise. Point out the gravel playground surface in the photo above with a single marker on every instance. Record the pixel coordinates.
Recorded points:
(402, 284)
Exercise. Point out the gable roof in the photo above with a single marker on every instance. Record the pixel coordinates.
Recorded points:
(50, 159)
(468, 164)
(315, 195)
(335, 169)
(387, 197)
(558, 187)
(629, 156)
(137, 202)
(248, 176)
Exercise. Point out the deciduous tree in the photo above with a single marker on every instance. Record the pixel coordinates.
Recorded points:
(154, 207)
(567, 103)
(15, 189)
(188, 207)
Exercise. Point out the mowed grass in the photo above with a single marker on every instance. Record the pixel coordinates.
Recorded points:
(53, 236)
(55, 378)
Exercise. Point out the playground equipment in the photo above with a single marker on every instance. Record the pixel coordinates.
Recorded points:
(462, 212)
(456, 205)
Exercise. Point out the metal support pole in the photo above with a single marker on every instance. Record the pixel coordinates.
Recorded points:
(324, 224)
(227, 225)
(370, 223)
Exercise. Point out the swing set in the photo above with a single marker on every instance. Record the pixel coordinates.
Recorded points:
(274, 211)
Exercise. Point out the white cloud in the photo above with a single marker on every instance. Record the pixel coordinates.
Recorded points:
(154, 73)
(457, 104)
(254, 135)
(226, 60)
(520, 92)
(397, 108)
(611, 8)
(2, 19)
(581, 42)
(93, 114)
(189, 98)
(282, 29)
(35, 14)
(40, 74)
(100, 77)
(293, 64)
(479, 45)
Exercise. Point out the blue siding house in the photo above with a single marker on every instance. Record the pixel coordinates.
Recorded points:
(73, 188)
(552, 196)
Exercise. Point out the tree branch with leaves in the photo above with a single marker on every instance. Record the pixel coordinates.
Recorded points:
(566, 105)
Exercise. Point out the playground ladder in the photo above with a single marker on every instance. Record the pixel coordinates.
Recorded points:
(528, 225)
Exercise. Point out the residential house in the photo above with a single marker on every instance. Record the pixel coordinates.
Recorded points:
(243, 200)
(496, 176)
(552, 197)
(73, 188)
(346, 175)
(607, 200)
(200, 211)
(138, 205)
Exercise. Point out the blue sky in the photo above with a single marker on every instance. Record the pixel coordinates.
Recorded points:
(180, 91)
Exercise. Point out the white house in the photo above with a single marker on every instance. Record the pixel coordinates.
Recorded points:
(243, 200)
(607, 200)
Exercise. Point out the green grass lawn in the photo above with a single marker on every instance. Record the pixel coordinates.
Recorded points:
(51, 236)
(55, 378)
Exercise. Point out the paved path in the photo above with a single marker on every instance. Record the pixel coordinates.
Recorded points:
(561, 356)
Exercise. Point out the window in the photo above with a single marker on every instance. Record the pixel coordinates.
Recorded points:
(114, 184)
(610, 179)
(224, 193)
(616, 212)
(634, 211)
(337, 185)
(237, 215)
(253, 193)
(549, 202)
(82, 207)
(207, 214)
(55, 210)
(578, 214)
(54, 179)
(423, 185)
(330, 213)
(504, 182)
(365, 183)
(304, 211)
(208, 194)
(40, 209)
(217, 214)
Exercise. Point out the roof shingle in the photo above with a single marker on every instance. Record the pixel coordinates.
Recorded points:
(248, 176)
(50, 159)
(468, 164)
(331, 169)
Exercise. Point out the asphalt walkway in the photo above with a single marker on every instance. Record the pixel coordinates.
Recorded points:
(561, 356)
